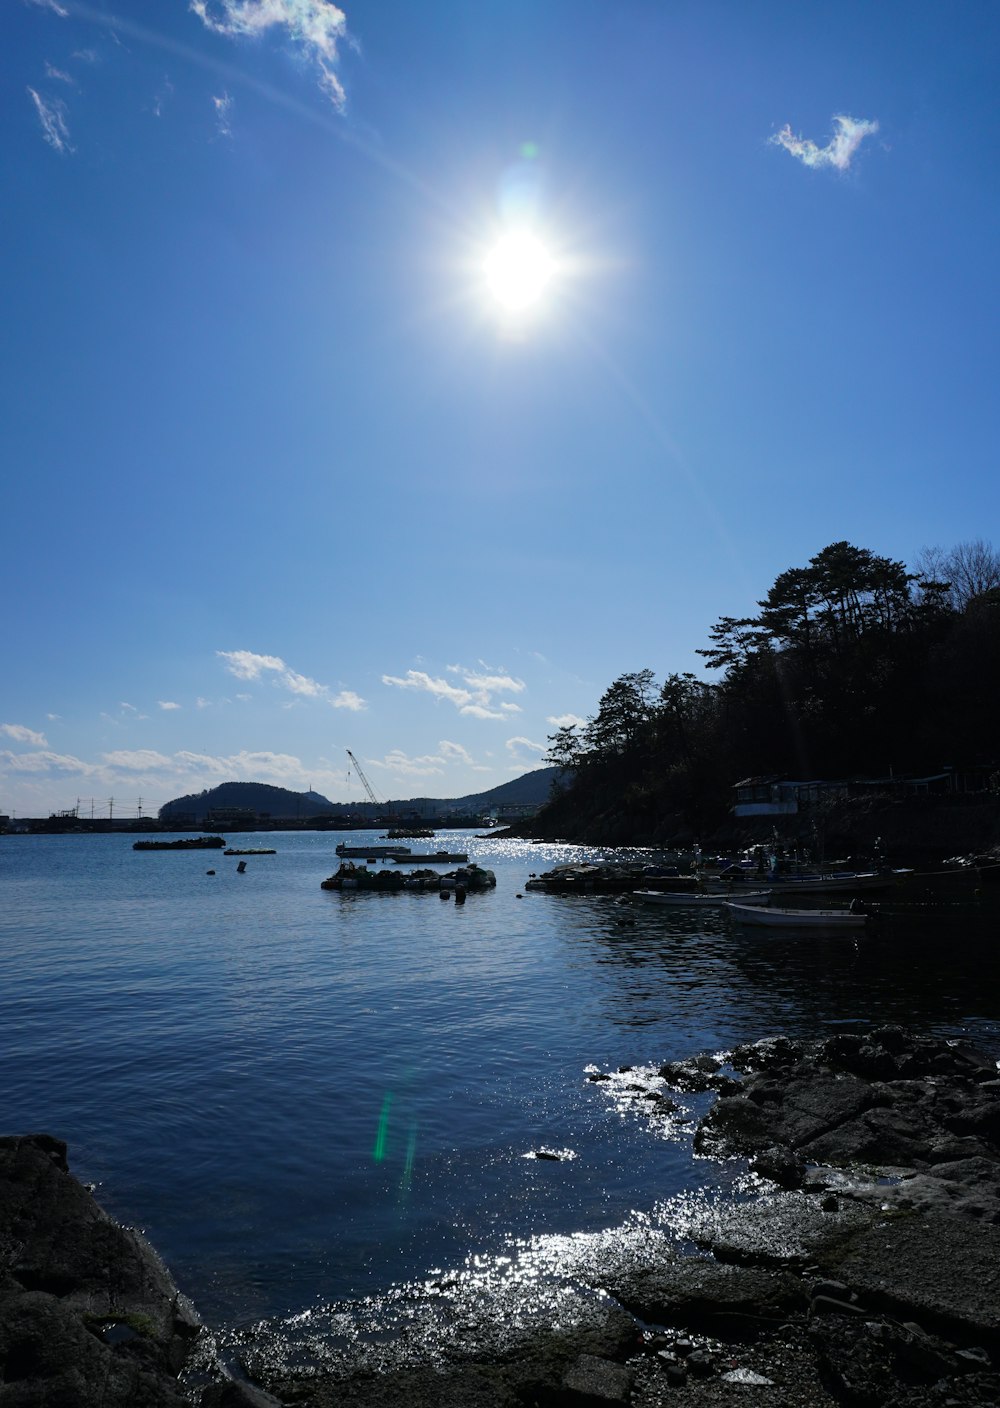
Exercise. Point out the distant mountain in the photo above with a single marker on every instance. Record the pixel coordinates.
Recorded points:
(259, 797)
(531, 789)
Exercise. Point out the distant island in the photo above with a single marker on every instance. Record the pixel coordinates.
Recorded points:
(232, 804)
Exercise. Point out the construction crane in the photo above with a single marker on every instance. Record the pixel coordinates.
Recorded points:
(375, 801)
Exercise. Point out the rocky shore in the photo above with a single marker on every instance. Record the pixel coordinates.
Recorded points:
(861, 1268)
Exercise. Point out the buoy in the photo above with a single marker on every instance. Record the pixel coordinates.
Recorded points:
(241, 867)
(209, 872)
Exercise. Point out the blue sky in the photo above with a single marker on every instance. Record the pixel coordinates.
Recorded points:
(282, 477)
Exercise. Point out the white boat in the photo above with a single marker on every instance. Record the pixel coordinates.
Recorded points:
(773, 917)
(373, 852)
(679, 898)
(845, 882)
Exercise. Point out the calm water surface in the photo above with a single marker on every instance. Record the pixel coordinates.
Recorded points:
(305, 1096)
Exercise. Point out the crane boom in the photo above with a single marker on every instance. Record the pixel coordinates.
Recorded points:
(364, 781)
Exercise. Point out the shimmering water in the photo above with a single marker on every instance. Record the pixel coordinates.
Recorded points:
(305, 1097)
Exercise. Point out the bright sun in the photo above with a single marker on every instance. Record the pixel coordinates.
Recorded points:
(519, 270)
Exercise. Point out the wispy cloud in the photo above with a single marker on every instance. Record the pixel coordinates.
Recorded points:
(21, 734)
(315, 26)
(246, 665)
(136, 760)
(223, 107)
(167, 704)
(848, 135)
(521, 749)
(52, 115)
(59, 75)
(473, 697)
(566, 720)
(46, 762)
(52, 5)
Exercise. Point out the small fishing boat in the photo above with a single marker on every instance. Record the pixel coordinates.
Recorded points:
(438, 858)
(844, 882)
(373, 852)
(772, 917)
(679, 899)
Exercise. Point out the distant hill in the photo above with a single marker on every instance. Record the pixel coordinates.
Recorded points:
(281, 804)
(259, 797)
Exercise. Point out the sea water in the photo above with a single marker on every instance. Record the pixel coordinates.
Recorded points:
(308, 1097)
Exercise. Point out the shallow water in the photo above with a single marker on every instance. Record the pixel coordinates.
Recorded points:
(306, 1097)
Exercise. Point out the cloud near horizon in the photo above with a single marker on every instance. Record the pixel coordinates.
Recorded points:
(316, 27)
(22, 734)
(839, 151)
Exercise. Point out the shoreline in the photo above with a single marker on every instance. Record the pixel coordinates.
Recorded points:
(865, 1268)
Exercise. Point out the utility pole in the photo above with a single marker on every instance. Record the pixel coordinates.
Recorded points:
(111, 809)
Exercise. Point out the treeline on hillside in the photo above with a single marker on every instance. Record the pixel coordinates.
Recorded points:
(853, 666)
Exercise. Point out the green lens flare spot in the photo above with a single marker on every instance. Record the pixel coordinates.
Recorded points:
(382, 1134)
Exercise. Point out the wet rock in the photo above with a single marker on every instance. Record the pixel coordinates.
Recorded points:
(698, 1074)
(701, 1293)
(781, 1165)
(237, 1395)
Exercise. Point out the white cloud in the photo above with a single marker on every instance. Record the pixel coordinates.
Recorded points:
(398, 762)
(455, 751)
(136, 759)
(167, 704)
(223, 106)
(474, 697)
(315, 26)
(566, 720)
(47, 762)
(347, 699)
(509, 707)
(52, 115)
(849, 133)
(21, 734)
(515, 745)
(52, 5)
(441, 689)
(203, 703)
(57, 73)
(247, 665)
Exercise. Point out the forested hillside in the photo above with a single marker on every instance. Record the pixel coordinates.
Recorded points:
(852, 666)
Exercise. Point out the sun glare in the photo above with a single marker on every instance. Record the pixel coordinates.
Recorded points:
(519, 271)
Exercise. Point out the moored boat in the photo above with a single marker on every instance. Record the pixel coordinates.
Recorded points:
(375, 851)
(843, 882)
(438, 858)
(679, 899)
(773, 917)
(258, 851)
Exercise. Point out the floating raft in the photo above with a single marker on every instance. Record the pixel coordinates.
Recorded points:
(359, 877)
(189, 843)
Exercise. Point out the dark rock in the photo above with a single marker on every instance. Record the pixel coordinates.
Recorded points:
(698, 1292)
(781, 1165)
(88, 1312)
(597, 1382)
(237, 1395)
